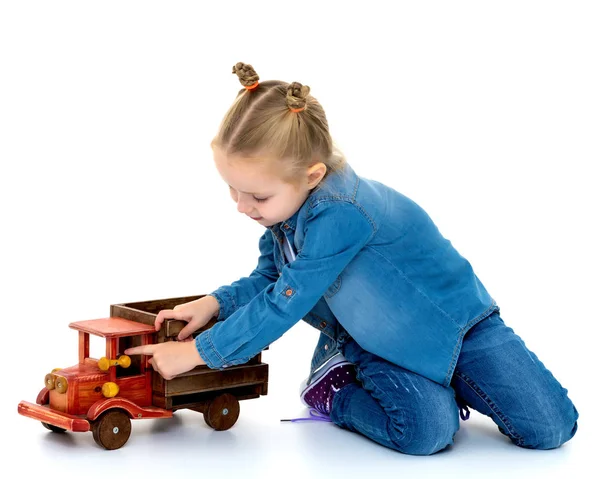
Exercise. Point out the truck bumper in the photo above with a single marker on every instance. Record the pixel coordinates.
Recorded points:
(43, 413)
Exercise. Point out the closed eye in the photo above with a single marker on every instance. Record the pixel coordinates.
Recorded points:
(259, 200)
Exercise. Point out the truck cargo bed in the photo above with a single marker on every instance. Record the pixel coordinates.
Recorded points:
(196, 388)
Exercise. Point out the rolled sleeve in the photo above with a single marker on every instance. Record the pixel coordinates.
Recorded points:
(325, 254)
(207, 351)
(226, 306)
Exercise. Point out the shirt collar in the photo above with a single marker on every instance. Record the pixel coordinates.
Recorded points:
(289, 224)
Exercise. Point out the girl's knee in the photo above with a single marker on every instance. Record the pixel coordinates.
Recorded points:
(428, 432)
(427, 447)
(552, 432)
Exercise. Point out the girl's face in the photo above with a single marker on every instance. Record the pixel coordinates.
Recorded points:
(259, 193)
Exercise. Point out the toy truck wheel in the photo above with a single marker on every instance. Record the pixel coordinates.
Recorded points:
(53, 428)
(222, 412)
(112, 429)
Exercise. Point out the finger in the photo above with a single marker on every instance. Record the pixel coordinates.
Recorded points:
(144, 349)
(160, 317)
(185, 332)
(151, 363)
(167, 314)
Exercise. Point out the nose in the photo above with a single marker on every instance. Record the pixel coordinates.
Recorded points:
(242, 206)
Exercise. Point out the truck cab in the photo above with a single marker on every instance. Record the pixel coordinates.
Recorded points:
(99, 393)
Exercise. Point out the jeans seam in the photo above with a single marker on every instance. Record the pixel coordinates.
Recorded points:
(485, 398)
(406, 435)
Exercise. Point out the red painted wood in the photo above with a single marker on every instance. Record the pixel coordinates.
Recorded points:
(43, 397)
(56, 418)
(147, 370)
(84, 346)
(135, 411)
(112, 327)
(111, 353)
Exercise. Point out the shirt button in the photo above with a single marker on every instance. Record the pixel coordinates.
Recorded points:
(323, 324)
(326, 347)
(286, 226)
(289, 292)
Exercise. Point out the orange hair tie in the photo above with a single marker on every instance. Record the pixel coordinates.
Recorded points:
(251, 87)
(296, 110)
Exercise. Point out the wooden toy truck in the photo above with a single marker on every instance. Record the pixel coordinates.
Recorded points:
(103, 395)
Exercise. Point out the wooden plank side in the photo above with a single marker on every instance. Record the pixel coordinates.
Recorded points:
(212, 380)
(174, 326)
(156, 305)
(158, 384)
(198, 401)
(120, 311)
(159, 400)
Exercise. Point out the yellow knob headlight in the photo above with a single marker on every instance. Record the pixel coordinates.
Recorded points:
(110, 389)
(49, 380)
(60, 384)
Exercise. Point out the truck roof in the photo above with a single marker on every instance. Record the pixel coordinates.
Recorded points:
(112, 327)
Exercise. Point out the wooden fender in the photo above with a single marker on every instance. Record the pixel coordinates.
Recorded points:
(43, 397)
(49, 416)
(133, 410)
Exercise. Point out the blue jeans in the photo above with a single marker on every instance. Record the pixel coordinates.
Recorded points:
(496, 375)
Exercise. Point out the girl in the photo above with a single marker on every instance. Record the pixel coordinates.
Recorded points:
(409, 335)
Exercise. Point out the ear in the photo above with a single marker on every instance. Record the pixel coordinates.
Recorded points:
(315, 174)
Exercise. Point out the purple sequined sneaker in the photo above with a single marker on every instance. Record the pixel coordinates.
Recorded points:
(318, 395)
(332, 376)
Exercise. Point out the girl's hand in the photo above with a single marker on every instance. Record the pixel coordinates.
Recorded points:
(171, 358)
(196, 313)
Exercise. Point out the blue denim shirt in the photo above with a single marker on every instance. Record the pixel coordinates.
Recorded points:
(370, 264)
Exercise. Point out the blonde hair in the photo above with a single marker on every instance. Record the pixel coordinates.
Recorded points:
(278, 121)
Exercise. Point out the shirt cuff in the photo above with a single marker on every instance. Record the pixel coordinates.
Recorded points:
(226, 303)
(207, 351)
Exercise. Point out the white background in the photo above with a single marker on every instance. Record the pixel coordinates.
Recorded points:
(485, 113)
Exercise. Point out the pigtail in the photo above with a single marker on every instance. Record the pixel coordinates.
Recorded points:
(246, 74)
(296, 96)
